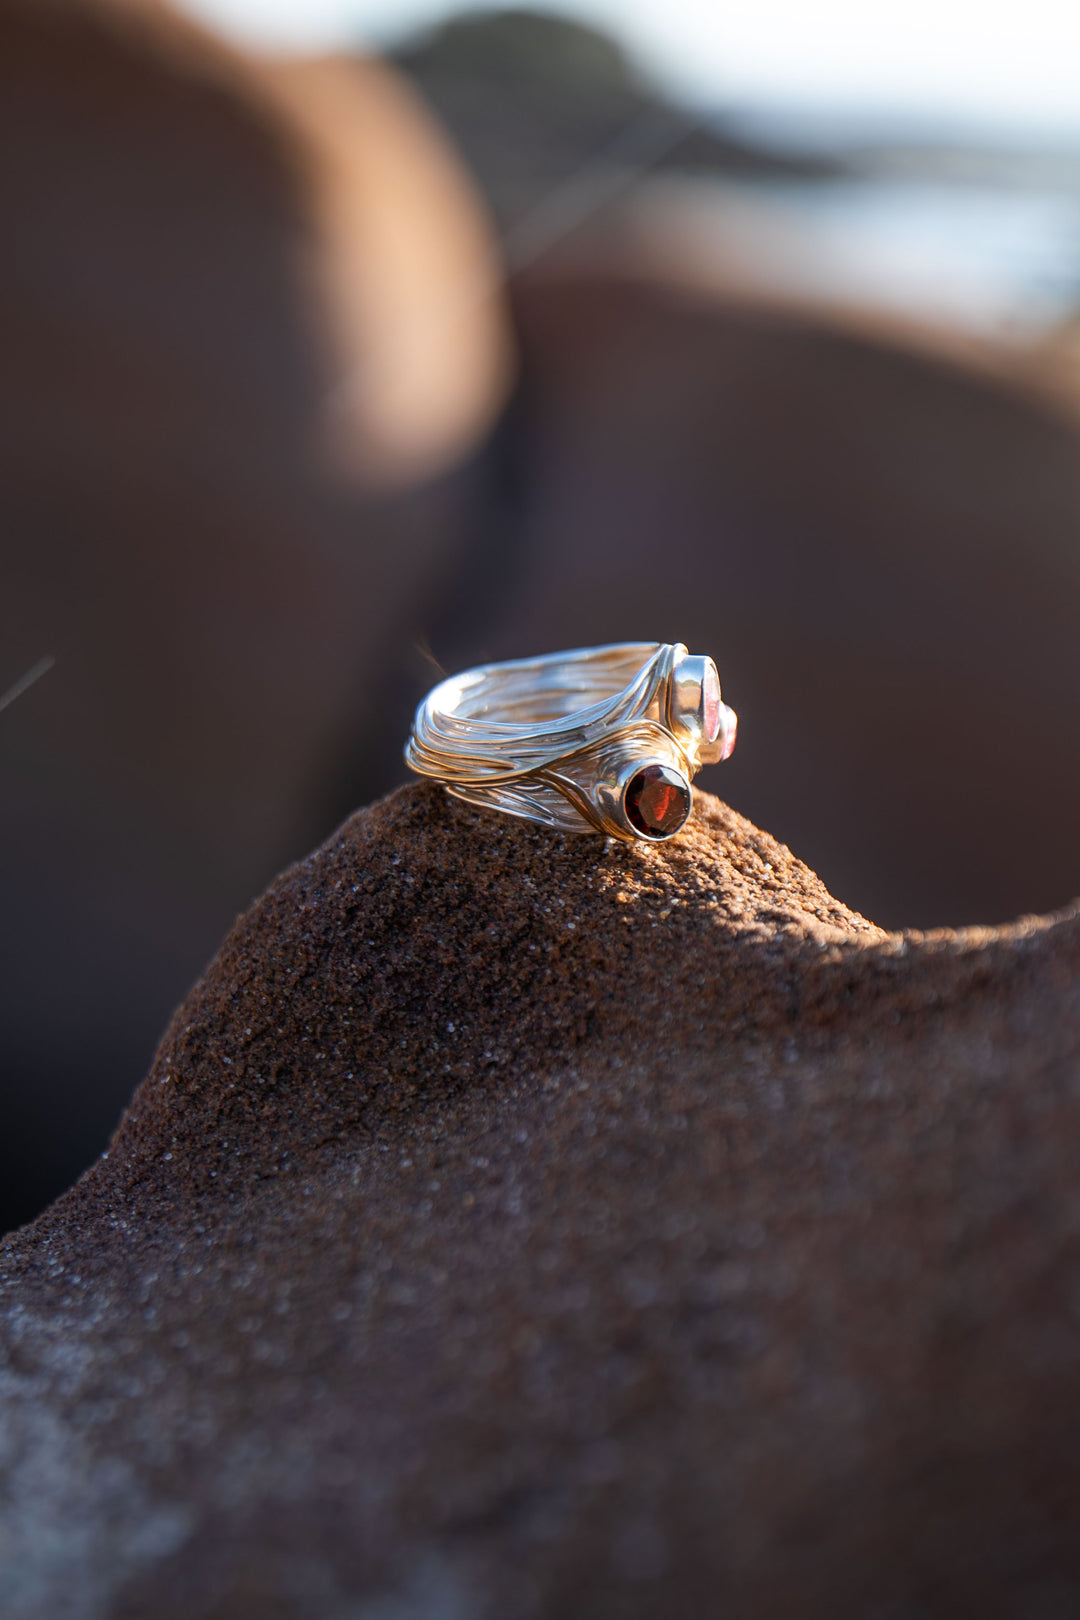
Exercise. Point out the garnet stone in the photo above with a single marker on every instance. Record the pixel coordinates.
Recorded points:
(657, 801)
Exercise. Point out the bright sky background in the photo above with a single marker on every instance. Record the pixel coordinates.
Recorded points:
(1013, 64)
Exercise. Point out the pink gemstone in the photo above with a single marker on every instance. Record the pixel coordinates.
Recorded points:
(657, 801)
(727, 729)
(711, 705)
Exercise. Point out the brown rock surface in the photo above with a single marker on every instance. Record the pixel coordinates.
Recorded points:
(513, 1225)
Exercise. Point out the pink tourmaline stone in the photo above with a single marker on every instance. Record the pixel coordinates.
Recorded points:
(657, 801)
(727, 729)
(711, 705)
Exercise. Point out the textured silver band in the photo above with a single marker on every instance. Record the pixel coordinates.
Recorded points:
(601, 739)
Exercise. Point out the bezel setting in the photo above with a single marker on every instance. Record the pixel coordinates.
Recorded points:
(656, 800)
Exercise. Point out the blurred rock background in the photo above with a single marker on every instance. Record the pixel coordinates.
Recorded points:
(320, 376)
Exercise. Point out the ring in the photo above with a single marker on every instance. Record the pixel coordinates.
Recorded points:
(602, 739)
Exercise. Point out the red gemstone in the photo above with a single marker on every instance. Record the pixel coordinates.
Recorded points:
(657, 801)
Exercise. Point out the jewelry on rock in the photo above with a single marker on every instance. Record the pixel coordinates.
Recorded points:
(602, 739)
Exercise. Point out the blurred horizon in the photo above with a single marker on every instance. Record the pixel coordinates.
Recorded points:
(956, 210)
(837, 71)
(928, 156)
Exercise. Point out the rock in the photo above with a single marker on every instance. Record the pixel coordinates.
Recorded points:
(229, 396)
(880, 536)
(518, 1226)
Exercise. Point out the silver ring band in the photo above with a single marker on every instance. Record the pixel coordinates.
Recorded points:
(601, 739)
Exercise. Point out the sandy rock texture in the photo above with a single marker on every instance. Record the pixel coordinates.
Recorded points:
(524, 1226)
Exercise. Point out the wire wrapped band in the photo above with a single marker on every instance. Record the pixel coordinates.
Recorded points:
(562, 739)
